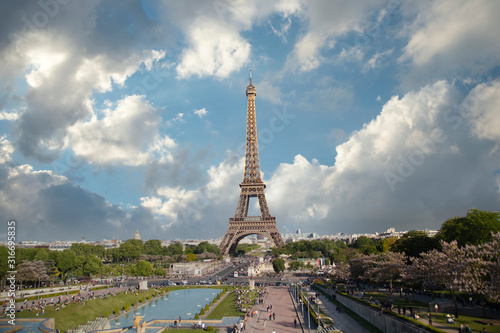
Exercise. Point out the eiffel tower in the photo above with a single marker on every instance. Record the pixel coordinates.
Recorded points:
(252, 185)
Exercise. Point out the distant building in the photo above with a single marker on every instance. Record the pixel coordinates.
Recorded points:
(137, 236)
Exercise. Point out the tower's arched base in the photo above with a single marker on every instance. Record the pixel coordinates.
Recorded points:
(239, 228)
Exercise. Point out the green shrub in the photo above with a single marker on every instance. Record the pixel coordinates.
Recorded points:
(202, 312)
(196, 316)
(210, 328)
(126, 307)
(106, 315)
(117, 311)
(206, 307)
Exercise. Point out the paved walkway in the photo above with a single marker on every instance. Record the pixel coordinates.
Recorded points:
(342, 320)
(280, 299)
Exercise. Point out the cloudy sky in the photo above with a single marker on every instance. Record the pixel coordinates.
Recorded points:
(118, 115)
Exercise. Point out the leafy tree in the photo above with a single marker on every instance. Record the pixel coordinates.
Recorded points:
(4, 256)
(159, 272)
(143, 268)
(365, 245)
(42, 255)
(32, 271)
(51, 269)
(475, 228)
(25, 254)
(480, 270)
(153, 247)
(173, 249)
(383, 267)
(191, 257)
(206, 247)
(82, 249)
(296, 265)
(130, 250)
(386, 244)
(342, 271)
(438, 269)
(91, 265)
(278, 265)
(66, 261)
(415, 242)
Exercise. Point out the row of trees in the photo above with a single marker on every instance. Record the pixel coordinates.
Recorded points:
(132, 257)
(473, 269)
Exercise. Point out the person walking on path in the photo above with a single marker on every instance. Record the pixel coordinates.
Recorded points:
(430, 319)
(436, 308)
(295, 322)
(264, 327)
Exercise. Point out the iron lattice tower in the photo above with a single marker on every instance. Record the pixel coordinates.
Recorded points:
(252, 185)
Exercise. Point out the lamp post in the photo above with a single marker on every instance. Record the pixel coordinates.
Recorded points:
(308, 317)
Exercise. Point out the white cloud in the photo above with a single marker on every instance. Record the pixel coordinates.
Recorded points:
(482, 106)
(270, 92)
(213, 30)
(126, 135)
(450, 36)
(11, 116)
(179, 118)
(377, 59)
(415, 139)
(182, 209)
(50, 207)
(63, 68)
(201, 112)
(282, 31)
(6, 150)
(215, 50)
(327, 20)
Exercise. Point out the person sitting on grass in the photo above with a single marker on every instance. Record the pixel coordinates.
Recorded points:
(449, 319)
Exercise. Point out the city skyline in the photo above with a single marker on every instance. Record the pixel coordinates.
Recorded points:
(370, 115)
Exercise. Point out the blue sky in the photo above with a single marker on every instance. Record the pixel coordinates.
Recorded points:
(371, 114)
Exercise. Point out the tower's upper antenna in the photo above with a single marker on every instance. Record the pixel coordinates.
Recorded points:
(250, 76)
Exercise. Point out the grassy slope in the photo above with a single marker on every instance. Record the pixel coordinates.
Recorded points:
(75, 314)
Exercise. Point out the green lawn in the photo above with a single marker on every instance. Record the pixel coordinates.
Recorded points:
(476, 327)
(74, 314)
(226, 308)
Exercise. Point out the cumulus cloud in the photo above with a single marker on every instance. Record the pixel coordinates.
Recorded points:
(215, 45)
(396, 170)
(482, 104)
(126, 135)
(52, 208)
(446, 36)
(196, 212)
(63, 67)
(6, 150)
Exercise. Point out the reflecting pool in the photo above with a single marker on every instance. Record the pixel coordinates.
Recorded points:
(184, 303)
(28, 325)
